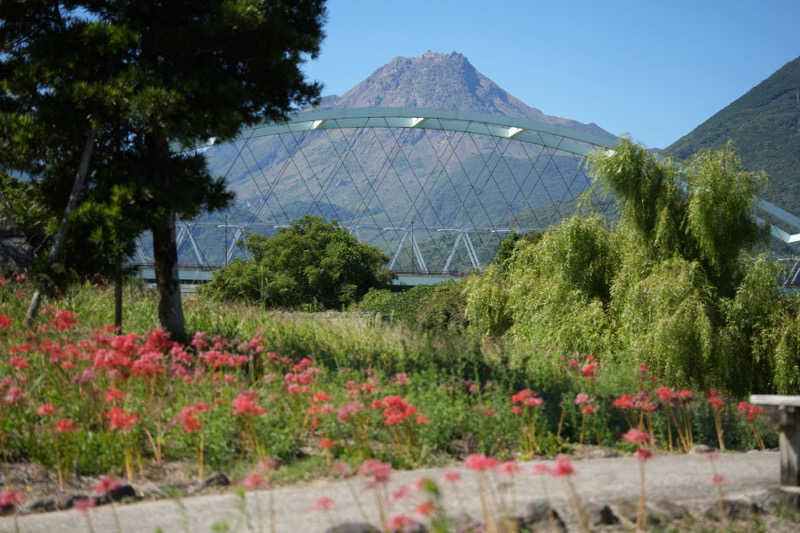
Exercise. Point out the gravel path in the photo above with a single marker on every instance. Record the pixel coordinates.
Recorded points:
(677, 478)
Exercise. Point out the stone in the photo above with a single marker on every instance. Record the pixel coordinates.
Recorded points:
(600, 514)
(123, 492)
(783, 496)
(699, 449)
(666, 511)
(603, 453)
(40, 505)
(535, 517)
(68, 501)
(735, 509)
(217, 479)
(353, 527)
(464, 523)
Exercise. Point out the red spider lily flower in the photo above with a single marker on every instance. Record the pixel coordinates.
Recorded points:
(685, 395)
(637, 436)
(349, 409)
(540, 468)
(573, 364)
(83, 505)
(451, 476)
(521, 396)
(420, 484)
(427, 508)
(268, 464)
(643, 454)
(714, 398)
(399, 522)
(625, 401)
(11, 497)
(244, 405)
(341, 468)
(718, 479)
(401, 379)
(589, 371)
(64, 320)
(398, 494)
(66, 426)
(517, 410)
(326, 444)
(46, 409)
(5, 322)
(749, 410)
(474, 388)
(509, 468)
(378, 470)
(667, 394)
(323, 504)
(19, 362)
(589, 409)
(642, 369)
(191, 424)
(562, 467)
(480, 462)
(122, 421)
(253, 481)
(113, 395)
(106, 484)
(582, 398)
(13, 395)
(21, 348)
(422, 419)
(396, 410)
(320, 397)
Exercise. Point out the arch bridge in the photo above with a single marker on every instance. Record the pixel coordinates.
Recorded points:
(436, 189)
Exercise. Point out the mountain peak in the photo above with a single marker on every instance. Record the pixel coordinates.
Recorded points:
(442, 81)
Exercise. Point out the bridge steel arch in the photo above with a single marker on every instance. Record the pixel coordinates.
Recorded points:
(524, 130)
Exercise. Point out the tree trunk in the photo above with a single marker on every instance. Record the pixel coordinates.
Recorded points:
(118, 295)
(58, 242)
(165, 254)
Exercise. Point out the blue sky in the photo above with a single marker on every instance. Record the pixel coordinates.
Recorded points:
(651, 68)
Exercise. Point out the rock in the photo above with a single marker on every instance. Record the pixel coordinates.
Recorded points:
(699, 449)
(603, 453)
(665, 511)
(600, 514)
(217, 479)
(40, 505)
(788, 497)
(536, 517)
(68, 501)
(353, 527)
(735, 509)
(123, 492)
(464, 523)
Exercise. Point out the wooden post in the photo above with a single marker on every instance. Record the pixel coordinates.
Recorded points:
(784, 411)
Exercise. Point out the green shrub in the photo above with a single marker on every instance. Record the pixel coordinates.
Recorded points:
(313, 263)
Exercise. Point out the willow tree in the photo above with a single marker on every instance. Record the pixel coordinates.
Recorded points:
(700, 211)
(167, 75)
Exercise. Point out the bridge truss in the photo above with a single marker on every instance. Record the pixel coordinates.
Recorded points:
(437, 190)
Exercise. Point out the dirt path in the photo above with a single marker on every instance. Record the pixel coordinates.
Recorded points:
(677, 478)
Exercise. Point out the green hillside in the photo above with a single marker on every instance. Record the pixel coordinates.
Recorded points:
(764, 125)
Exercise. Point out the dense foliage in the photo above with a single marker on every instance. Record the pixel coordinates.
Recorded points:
(312, 262)
(670, 287)
(305, 389)
(131, 82)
